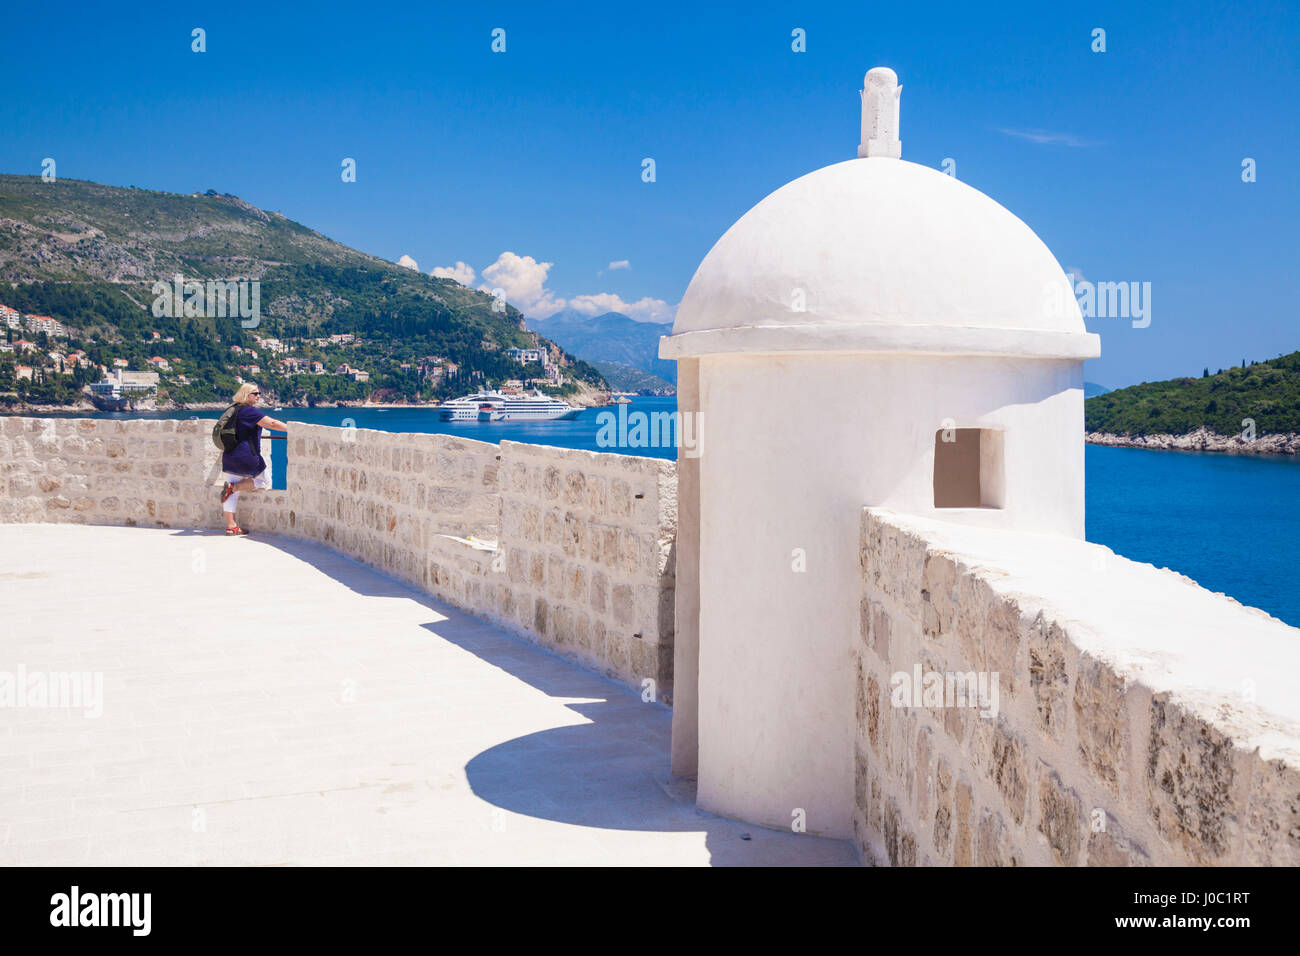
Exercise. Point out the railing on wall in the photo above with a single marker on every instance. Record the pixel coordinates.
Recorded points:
(277, 459)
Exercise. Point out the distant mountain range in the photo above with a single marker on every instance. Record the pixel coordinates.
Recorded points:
(1091, 389)
(612, 337)
(625, 378)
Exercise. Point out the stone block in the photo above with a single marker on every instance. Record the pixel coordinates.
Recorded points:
(622, 604)
(993, 842)
(1048, 681)
(1010, 772)
(1099, 720)
(881, 627)
(1110, 847)
(861, 783)
(1190, 777)
(1001, 639)
(873, 714)
(577, 584)
(551, 483)
(553, 529)
(1273, 820)
(575, 488)
(595, 494)
(1060, 818)
(572, 535)
(599, 591)
(943, 810)
(938, 596)
(900, 845)
(974, 598)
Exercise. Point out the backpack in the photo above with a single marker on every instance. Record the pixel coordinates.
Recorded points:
(223, 432)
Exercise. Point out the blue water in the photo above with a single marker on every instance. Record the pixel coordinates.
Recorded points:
(578, 432)
(1227, 521)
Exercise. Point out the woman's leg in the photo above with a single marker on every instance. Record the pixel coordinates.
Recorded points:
(229, 506)
(232, 502)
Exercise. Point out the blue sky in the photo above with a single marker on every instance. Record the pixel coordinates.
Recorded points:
(1127, 163)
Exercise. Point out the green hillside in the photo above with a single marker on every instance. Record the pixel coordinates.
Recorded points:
(1267, 392)
(88, 255)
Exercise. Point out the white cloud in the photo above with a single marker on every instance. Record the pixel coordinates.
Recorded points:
(643, 310)
(523, 279)
(409, 263)
(1047, 138)
(461, 272)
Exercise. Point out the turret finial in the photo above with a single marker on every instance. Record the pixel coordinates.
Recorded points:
(880, 95)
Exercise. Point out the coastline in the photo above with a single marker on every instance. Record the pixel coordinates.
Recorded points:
(25, 408)
(1203, 439)
(587, 396)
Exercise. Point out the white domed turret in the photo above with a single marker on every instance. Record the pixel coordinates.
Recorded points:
(887, 244)
(874, 333)
(872, 253)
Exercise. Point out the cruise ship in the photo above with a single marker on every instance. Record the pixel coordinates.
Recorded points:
(496, 407)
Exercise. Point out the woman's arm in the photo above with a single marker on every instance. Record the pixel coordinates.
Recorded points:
(273, 423)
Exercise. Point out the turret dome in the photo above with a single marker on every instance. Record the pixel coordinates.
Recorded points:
(877, 253)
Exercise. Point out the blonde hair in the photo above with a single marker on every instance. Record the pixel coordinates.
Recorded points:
(241, 396)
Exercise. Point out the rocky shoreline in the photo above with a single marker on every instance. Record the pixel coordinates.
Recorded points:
(1203, 439)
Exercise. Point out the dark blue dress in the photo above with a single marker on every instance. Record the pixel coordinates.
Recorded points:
(247, 458)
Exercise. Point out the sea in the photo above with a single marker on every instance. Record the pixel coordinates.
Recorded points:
(1229, 522)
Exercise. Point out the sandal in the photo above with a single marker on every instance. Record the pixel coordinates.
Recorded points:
(226, 491)
(236, 531)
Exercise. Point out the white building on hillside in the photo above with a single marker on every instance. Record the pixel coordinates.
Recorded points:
(524, 356)
(125, 384)
(43, 323)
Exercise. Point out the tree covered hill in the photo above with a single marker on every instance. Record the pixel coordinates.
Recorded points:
(1266, 392)
(89, 255)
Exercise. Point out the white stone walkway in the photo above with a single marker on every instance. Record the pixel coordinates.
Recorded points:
(270, 702)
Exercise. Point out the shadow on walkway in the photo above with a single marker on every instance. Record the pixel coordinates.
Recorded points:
(609, 771)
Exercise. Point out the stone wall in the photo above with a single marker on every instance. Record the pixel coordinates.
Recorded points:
(587, 540)
(89, 471)
(570, 549)
(1140, 719)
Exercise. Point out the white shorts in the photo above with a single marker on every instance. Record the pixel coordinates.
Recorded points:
(260, 482)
